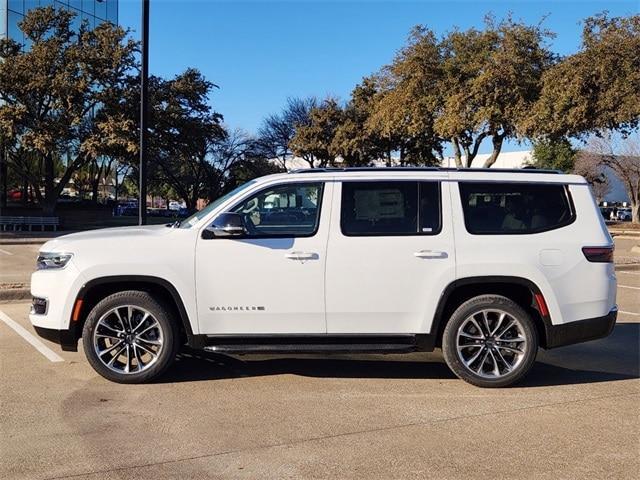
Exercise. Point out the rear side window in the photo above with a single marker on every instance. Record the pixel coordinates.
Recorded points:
(390, 208)
(515, 208)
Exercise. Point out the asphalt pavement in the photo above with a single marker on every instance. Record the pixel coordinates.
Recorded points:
(576, 416)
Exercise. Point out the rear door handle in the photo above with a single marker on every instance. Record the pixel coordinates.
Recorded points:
(431, 254)
(301, 256)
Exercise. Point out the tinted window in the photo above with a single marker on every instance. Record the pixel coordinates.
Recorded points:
(514, 208)
(390, 208)
(285, 210)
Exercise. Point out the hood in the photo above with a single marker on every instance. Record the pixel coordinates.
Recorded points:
(110, 236)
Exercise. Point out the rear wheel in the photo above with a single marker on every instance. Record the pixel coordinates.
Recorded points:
(129, 337)
(490, 341)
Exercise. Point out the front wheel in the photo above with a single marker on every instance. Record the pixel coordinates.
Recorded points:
(130, 338)
(490, 341)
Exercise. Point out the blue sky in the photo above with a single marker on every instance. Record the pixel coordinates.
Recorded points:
(262, 52)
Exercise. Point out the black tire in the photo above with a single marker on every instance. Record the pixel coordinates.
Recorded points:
(166, 325)
(526, 328)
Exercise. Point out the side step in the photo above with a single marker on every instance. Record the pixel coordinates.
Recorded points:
(258, 344)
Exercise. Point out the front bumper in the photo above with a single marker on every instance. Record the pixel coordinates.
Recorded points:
(57, 289)
(67, 339)
(54, 293)
(581, 330)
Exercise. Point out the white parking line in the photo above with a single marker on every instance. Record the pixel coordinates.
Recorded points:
(627, 273)
(37, 344)
(629, 313)
(627, 286)
(5, 252)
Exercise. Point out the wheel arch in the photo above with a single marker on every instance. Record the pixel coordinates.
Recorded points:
(98, 288)
(519, 289)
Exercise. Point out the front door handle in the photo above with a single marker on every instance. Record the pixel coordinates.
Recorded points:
(301, 256)
(430, 254)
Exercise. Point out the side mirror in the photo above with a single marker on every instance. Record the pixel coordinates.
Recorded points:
(226, 225)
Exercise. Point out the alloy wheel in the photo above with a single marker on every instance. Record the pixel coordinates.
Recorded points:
(128, 339)
(491, 343)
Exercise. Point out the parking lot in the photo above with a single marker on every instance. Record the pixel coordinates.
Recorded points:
(577, 415)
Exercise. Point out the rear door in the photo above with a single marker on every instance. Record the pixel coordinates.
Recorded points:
(390, 254)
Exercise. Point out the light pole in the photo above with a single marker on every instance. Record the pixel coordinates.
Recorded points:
(144, 100)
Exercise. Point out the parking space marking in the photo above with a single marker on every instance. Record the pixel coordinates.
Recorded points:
(37, 344)
(627, 273)
(5, 252)
(627, 286)
(629, 313)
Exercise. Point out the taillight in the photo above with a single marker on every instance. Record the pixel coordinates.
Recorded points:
(599, 254)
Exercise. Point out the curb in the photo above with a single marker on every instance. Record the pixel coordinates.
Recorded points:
(628, 266)
(14, 294)
(630, 233)
(28, 241)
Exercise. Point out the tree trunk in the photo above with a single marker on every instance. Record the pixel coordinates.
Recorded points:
(457, 154)
(115, 186)
(497, 146)
(49, 200)
(48, 207)
(95, 184)
(635, 213)
(25, 191)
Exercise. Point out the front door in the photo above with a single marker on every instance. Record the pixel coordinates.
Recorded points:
(271, 281)
(390, 253)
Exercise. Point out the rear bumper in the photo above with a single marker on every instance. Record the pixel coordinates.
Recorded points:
(581, 330)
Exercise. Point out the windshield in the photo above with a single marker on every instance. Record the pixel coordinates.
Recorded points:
(199, 215)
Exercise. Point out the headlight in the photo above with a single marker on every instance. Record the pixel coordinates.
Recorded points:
(49, 260)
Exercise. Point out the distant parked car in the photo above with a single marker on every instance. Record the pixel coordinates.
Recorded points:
(175, 206)
(624, 214)
(66, 198)
(126, 208)
(15, 194)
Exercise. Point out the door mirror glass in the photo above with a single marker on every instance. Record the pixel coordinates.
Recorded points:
(227, 224)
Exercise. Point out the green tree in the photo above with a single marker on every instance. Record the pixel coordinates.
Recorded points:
(491, 79)
(407, 101)
(554, 154)
(465, 87)
(596, 89)
(314, 141)
(184, 131)
(51, 94)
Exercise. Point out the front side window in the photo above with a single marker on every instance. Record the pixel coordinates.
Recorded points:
(390, 208)
(291, 210)
(199, 215)
(514, 208)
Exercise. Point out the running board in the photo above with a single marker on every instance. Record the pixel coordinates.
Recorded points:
(258, 344)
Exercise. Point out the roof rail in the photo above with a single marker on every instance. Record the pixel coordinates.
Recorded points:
(526, 169)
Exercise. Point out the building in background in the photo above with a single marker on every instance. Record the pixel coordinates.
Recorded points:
(93, 11)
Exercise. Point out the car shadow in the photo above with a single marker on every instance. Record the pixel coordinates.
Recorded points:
(616, 357)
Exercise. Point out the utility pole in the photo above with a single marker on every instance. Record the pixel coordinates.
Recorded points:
(144, 108)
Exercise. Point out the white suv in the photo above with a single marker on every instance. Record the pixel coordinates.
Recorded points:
(487, 264)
